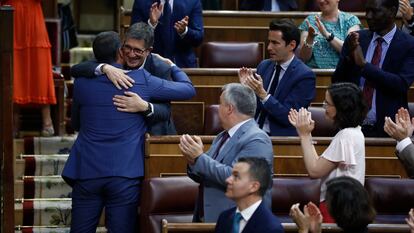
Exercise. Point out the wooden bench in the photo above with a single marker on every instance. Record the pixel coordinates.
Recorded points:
(243, 26)
(163, 157)
(288, 227)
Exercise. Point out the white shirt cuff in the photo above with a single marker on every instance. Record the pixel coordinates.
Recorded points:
(401, 145)
(152, 112)
(152, 26)
(184, 33)
(265, 99)
(98, 70)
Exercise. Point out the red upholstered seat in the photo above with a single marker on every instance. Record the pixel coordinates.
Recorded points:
(231, 54)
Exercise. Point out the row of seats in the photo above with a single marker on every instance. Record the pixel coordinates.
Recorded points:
(173, 199)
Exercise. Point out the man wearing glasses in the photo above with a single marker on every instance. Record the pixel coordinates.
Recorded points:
(136, 54)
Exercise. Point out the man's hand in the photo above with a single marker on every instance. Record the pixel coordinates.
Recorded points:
(406, 10)
(166, 60)
(130, 102)
(410, 220)
(315, 217)
(155, 13)
(356, 50)
(402, 127)
(243, 74)
(255, 82)
(181, 25)
(191, 147)
(118, 77)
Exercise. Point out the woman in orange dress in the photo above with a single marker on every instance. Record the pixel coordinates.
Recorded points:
(33, 77)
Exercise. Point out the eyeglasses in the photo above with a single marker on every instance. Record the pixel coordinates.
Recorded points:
(325, 104)
(136, 51)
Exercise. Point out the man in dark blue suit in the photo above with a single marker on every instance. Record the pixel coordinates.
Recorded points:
(178, 26)
(250, 179)
(105, 165)
(136, 53)
(380, 61)
(282, 82)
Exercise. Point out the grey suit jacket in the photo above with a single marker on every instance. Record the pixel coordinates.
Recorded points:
(248, 141)
(407, 158)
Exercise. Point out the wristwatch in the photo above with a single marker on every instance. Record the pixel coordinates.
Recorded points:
(330, 37)
(148, 112)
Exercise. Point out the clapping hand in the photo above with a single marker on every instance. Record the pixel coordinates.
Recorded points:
(402, 127)
(302, 121)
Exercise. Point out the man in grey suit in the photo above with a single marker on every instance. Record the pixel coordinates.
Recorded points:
(241, 138)
(401, 130)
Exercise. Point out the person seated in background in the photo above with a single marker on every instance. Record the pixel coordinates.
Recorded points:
(348, 203)
(401, 130)
(345, 155)
(241, 138)
(268, 5)
(282, 82)
(250, 179)
(407, 12)
(323, 35)
(381, 62)
(178, 27)
(136, 54)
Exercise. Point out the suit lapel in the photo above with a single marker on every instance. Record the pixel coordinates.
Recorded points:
(255, 220)
(268, 75)
(393, 48)
(285, 79)
(233, 140)
(365, 40)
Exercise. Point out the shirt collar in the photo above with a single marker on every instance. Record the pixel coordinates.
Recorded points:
(249, 211)
(387, 37)
(233, 129)
(286, 64)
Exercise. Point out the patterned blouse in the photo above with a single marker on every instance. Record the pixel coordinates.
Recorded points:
(324, 56)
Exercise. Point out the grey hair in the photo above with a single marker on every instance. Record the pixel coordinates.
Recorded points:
(241, 97)
(141, 31)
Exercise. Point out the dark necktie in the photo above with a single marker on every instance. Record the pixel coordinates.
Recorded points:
(368, 90)
(168, 33)
(274, 81)
(224, 136)
(267, 5)
(223, 139)
(236, 222)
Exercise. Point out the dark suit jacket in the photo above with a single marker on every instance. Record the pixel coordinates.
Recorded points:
(258, 5)
(262, 221)
(160, 123)
(110, 142)
(183, 54)
(391, 82)
(407, 159)
(295, 90)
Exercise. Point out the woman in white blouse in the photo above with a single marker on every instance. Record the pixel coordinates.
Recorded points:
(345, 156)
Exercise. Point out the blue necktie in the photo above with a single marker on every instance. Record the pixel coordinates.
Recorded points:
(236, 222)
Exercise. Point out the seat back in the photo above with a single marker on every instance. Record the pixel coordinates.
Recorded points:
(288, 191)
(212, 124)
(231, 54)
(171, 198)
(392, 198)
(323, 127)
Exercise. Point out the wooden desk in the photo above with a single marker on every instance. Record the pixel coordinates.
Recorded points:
(163, 157)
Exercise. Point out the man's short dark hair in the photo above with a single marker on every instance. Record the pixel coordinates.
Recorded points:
(141, 31)
(105, 46)
(349, 104)
(390, 4)
(349, 204)
(288, 28)
(259, 171)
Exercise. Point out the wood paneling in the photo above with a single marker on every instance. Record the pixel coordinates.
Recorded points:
(163, 156)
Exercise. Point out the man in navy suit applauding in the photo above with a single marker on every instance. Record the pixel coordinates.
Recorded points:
(249, 180)
(282, 82)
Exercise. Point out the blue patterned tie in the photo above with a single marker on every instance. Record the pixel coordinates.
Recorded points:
(168, 31)
(236, 222)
